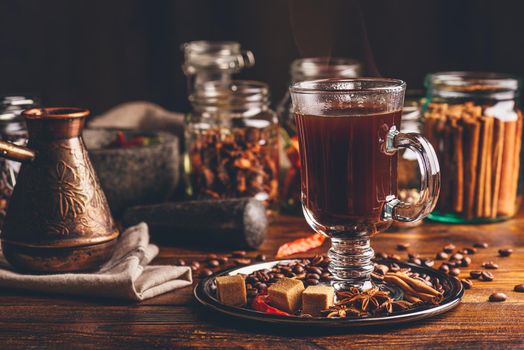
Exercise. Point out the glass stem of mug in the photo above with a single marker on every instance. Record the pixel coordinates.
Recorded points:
(351, 263)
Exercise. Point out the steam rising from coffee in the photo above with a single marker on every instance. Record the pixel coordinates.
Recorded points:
(331, 29)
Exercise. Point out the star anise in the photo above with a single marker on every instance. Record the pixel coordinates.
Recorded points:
(366, 301)
(342, 312)
(389, 306)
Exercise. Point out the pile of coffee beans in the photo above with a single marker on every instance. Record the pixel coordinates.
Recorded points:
(214, 263)
(310, 271)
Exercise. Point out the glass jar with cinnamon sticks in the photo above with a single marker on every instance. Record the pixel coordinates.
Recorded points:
(474, 122)
(232, 142)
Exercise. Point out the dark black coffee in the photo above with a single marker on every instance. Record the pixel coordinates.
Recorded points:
(346, 173)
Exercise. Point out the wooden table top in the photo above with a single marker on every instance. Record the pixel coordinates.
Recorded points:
(175, 320)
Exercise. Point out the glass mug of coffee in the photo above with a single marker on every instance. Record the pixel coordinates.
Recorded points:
(348, 132)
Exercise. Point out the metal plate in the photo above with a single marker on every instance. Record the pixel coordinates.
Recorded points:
(454, 291)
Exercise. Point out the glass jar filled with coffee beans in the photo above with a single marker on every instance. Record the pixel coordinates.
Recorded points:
(232, 142)
(304, 69)
(12, 129)
(474, 122)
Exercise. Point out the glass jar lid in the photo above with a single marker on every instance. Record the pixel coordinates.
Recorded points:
(215, 55)
(464, 84)
(11, 107)
(325, 67)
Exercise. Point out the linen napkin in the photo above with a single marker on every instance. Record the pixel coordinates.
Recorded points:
(141, 115)
(126, 275)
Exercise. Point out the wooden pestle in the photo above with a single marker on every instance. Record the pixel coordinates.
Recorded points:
(229, 223)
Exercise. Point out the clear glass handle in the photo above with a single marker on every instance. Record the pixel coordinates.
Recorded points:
(429, 177)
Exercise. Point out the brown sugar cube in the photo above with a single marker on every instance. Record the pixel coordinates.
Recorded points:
(316, 299)
(286, 294)
(231, 290)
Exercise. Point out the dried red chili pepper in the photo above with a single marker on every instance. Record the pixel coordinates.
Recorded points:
(259, 303)
(301, 245)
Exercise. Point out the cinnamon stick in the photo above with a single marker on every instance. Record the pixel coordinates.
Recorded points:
(470, 150)
(498, 147)
(416, 284)
(481, 166)
(506, 203)
(486, 209)
(458, 174)
(516, 163)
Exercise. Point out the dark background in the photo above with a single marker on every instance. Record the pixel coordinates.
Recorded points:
(97, 53)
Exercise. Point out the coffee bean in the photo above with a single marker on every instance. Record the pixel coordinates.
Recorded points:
(211, 256)
(486, 276)
(519, 288)
(454, 272)
(475, 274)
(181, 262)
(314, 269)
(416, 261)
(260, 286)
(261, 257)
(456, 256)
(442, 256)
(467, 283)
(403, 246)
(241, 262)
(490, 265)
(325, 263)
(195, 264)
(223, 260)
(213, 263)
(194, 268)
(312, 282)
(278, 276)
(449, 248)
(239, 254)
(428, 263)
(482, 245)
(301, 276)
(505, 252)
(498, 297)
(381, 269)
(298, 269)
(468, 251)
(444, 268)
(313, 276)
(206, 273)
(466, 261)
(326, 276)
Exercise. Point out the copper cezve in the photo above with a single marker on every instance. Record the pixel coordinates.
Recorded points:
(58, 219)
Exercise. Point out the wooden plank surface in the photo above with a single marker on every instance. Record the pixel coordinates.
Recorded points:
(175, 320)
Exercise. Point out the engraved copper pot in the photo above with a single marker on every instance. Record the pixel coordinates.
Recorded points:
(58, 219)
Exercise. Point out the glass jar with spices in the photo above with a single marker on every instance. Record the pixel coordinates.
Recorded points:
(474, 122)
(12, 129)
(232, 142)
(304, 69)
